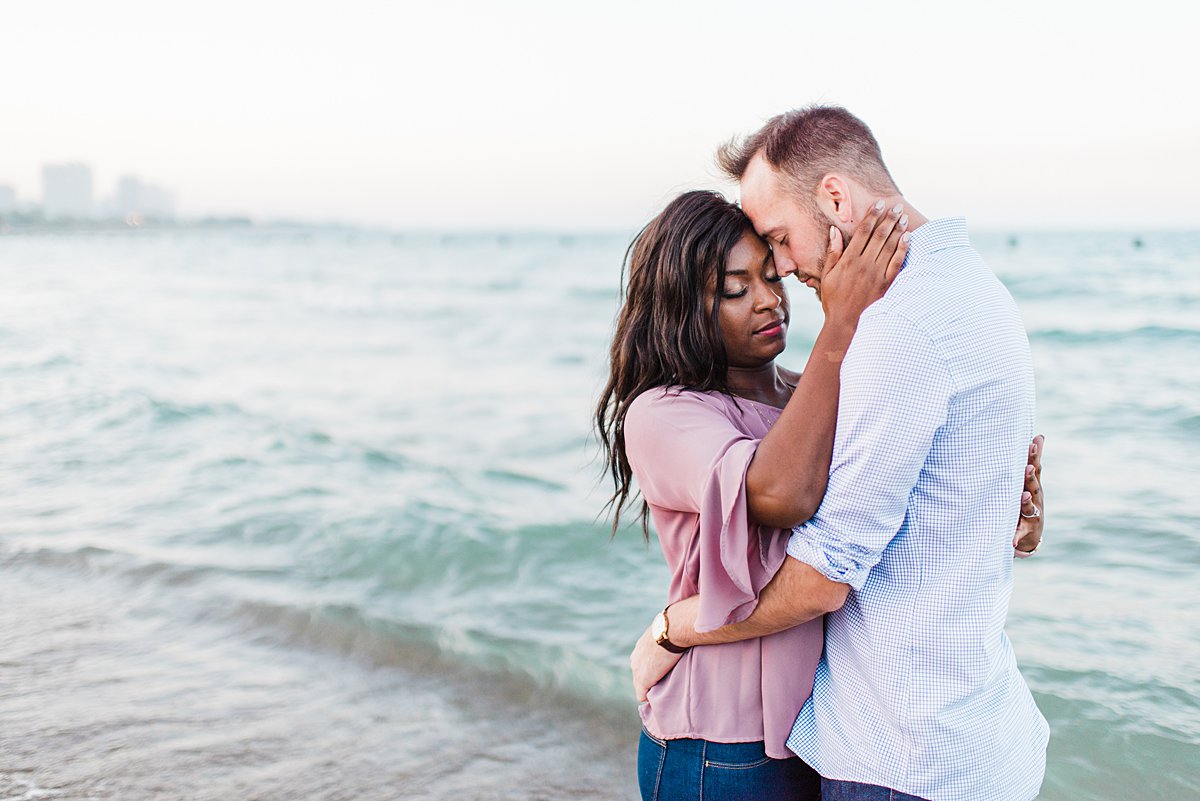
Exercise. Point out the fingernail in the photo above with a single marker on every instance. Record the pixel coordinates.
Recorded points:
(879, 206)
(832, 234)
(899, 207)
(904, 221)
(1026, 496)
(1029, 470)
(904, 239)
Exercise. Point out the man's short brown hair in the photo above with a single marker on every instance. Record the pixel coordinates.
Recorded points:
(806, 144)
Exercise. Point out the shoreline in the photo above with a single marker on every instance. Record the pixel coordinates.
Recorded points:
(104, 697)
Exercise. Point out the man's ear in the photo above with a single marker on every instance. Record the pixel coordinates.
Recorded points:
(834, 198)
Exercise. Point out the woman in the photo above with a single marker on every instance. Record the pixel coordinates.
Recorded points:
(690, 410)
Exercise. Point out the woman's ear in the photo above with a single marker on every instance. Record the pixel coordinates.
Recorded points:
(834, 198)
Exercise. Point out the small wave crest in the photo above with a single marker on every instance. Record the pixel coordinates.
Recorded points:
(509, 666)
(1147, 334)
(515, 669)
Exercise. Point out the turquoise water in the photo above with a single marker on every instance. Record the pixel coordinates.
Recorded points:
(281, 456)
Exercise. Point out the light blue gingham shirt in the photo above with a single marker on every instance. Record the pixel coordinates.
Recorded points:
(918, 689)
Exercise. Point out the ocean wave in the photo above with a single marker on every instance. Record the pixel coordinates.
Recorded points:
(513, 477)
(1146, 706)
(511, 665)
(1148, 334)
(1191, 423)
(514, 666)
(382, 459)
(1094, 716)
(24, 363)
(100, 561)
(86, 558)
(136, 407)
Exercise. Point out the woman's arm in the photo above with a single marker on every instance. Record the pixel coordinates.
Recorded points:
(786, 479)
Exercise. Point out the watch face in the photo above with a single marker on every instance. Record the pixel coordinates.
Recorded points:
(659, 627)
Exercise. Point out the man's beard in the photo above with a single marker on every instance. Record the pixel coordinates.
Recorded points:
(821, 256)
(822, 247)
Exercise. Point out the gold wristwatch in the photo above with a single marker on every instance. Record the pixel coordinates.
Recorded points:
(659, 628)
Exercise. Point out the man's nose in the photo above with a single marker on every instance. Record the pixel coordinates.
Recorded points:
(784, 264)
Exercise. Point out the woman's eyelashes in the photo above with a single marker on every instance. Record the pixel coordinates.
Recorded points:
(733, 291)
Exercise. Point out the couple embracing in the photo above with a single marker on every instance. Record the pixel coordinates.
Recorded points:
(840, 541)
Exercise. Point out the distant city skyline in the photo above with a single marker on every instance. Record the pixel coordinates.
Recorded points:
(546, 115)
(68, 192)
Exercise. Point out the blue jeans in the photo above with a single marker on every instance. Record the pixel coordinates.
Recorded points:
(699, 770)
(833, 790)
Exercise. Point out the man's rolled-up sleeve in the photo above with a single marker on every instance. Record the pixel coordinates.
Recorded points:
(895, 395)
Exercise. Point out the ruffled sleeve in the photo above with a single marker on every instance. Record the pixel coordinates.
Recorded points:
(690, 453)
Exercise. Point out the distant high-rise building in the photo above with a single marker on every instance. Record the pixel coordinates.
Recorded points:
(67, 190)
(144, 200)
(126, 200)
(8, 199)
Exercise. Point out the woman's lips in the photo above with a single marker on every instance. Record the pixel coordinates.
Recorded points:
(773, 330)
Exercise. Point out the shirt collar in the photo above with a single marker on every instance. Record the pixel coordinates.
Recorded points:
(935, 235)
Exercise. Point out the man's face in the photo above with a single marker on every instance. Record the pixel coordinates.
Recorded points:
(798, 240)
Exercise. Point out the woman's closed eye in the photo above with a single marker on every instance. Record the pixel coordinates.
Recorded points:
(732, 292)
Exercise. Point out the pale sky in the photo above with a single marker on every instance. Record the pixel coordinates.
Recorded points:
(560, 115)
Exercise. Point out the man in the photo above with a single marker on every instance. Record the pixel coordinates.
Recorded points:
(910, 554)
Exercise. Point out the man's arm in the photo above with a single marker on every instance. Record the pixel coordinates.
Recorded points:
(797, 594)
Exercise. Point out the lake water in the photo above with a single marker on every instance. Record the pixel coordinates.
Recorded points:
(312, 514)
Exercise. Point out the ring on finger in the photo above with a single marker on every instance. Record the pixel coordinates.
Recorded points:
(1036, 512)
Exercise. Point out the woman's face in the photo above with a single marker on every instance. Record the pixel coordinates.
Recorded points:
(754, 309)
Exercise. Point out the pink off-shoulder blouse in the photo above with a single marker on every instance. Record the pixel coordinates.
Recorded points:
(689, 452)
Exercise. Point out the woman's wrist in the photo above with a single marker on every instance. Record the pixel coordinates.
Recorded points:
(1019, 554)
(835, 336)
(840, 324)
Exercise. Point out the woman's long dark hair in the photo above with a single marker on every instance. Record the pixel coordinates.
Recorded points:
(666, 334)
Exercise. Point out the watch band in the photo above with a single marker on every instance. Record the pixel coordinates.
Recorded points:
(663, 638)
